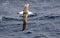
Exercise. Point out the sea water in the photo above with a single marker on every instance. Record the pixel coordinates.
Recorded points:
(44, 24)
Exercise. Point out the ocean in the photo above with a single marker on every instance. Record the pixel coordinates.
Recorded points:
(44, 24)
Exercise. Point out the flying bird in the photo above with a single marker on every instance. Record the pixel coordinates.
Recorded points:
(25, 13)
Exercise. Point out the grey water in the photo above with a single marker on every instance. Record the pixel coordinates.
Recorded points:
(44, 24)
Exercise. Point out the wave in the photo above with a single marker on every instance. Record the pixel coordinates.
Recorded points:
(30, 18)
(20, 18)
(45, 17)
(48, 17)
(10, 19)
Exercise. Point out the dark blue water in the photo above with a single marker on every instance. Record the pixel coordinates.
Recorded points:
(44, 24)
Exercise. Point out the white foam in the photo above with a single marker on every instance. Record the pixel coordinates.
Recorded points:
(0, 17)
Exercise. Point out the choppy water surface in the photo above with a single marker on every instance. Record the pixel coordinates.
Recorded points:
(44, 24)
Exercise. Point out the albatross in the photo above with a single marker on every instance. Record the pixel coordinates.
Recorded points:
(25, 13)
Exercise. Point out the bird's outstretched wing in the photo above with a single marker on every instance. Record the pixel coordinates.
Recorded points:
(29, 12)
